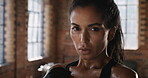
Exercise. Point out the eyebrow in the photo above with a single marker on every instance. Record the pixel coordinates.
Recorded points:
(74, 24)
(96, 24)
(90, 25)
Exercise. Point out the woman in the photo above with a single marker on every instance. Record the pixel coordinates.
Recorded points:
(97, 36)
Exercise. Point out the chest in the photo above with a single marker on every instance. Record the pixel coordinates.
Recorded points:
(92, 73)
(84, 73)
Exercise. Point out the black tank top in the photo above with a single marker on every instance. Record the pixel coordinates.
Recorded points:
(106, 71)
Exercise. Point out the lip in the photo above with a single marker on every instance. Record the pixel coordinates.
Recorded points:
(85, 51)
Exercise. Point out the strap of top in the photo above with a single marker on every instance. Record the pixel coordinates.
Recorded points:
(106, 71)
(75, 63)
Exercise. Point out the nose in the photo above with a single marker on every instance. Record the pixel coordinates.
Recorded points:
(85, 38)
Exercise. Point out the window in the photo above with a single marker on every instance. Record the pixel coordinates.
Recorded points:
(35, 29)
(129, 21)
(1, 31)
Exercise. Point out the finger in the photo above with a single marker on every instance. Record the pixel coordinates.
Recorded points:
(58, 65)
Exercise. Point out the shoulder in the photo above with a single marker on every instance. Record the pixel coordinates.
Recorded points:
(123, 71)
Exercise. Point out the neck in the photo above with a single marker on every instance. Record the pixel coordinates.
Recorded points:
(95, 63)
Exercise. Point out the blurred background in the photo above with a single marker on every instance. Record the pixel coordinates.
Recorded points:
(36, 32)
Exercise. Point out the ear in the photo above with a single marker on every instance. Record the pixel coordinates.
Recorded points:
(111, 34)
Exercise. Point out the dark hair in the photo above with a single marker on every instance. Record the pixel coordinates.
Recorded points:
(111, 20)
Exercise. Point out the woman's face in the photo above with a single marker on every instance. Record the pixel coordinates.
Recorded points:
(89, 35)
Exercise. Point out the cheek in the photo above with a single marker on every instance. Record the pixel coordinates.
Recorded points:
(74, 39)
(100, 40)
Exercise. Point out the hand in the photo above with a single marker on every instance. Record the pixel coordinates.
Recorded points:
(58, 65)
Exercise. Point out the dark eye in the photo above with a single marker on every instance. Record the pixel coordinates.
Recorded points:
(75, 28)
(95, 29)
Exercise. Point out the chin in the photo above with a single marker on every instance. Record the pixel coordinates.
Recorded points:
(86, 57)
